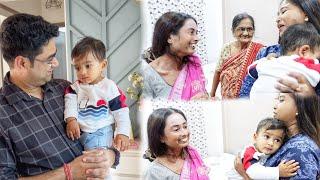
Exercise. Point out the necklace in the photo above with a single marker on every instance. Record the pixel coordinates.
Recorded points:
(36, 94)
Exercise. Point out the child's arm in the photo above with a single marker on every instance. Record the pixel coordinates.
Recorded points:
(120, 112)
(285, 169)
(258, 171)
(254, 169)
(71, 114)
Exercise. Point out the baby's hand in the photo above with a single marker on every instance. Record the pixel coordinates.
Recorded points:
(73, 129)
(288, 169)
(121, 142)
(271, 56)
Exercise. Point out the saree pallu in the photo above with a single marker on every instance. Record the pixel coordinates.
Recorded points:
(234, 69)
(193, 167)
(190, 81)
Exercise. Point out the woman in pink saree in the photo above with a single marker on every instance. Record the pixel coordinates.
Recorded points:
(172, 70)
(235, 58)
(168, 138)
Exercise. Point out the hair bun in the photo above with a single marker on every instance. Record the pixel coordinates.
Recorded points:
(148, 55)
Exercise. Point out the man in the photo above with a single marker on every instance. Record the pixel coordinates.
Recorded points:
(33, 141)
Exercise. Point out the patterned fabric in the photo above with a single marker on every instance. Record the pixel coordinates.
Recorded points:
(157, 171)
(193, 166)
(32, 131)
(234, 68)
(249, 157)
(190, 82)
(154, 85)
(302, 149)
(268, 72)
(97, 106)
(253, 164)
(248, 80)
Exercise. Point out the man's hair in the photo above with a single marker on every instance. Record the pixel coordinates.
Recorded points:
(87, 45)
(298, 35)
(271, 124)
(25, 35)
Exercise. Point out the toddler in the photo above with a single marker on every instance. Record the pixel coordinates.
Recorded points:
(94, 102)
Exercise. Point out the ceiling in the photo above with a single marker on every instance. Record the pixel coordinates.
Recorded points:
(35, 7)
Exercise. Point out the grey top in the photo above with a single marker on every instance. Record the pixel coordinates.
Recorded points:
(154, 85)
(158, 171)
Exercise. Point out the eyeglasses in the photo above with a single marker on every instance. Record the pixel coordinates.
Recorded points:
(48, 61)
(243, 29)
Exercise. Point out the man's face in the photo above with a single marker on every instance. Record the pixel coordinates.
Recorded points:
(43, 65)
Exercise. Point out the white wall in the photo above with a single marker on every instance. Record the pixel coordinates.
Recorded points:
(214, 28)
(37, 7)
(53, 15)
(29, 6)
(240, 119)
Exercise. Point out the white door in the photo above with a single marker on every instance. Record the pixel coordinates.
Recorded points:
(117, 24)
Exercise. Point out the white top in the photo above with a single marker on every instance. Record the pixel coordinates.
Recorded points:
(96, 106)
(269, 72)
(256, 170)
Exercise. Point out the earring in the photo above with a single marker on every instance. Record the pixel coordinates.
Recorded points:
(306, 19)
(297, 113)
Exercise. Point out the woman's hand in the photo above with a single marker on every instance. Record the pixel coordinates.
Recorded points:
(288, 169)
(302, 85)
(240, 169)
(200, 96)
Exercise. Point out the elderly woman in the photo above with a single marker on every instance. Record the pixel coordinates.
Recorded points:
(235, 57)
(168, 138)
(290, 12)
(174, 71)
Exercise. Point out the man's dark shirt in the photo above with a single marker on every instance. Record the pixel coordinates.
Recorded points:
(32, 131)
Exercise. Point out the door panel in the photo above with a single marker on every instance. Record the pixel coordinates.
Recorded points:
(117, 24)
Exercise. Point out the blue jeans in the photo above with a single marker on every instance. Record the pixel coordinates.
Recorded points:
(102, 138)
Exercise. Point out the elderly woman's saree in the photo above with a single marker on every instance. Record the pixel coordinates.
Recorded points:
(193, 167)
(190, 82)
(234, 69)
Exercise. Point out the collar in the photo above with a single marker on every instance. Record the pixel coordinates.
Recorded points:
(13, 93)
(258, 155)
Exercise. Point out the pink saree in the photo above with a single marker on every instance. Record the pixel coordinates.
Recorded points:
(191, 80)
(234, 69)
(193, 167)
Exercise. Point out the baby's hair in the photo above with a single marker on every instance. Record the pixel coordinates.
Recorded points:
(87, 45)
(271, 124)
(298, 35)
